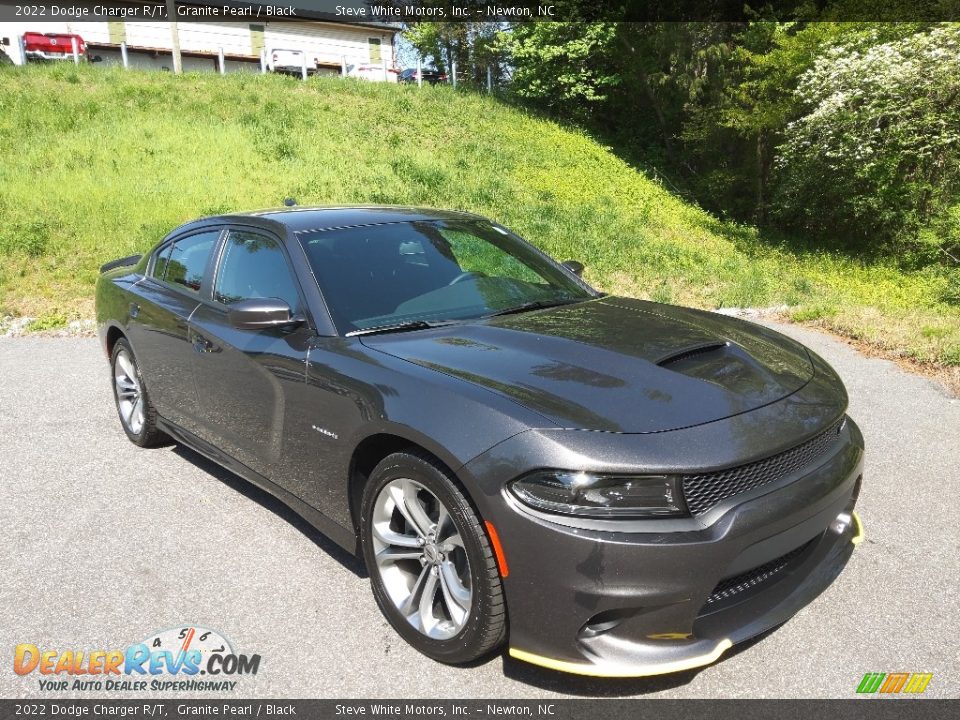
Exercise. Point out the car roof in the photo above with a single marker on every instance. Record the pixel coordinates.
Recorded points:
(310, 219)
(302, 220)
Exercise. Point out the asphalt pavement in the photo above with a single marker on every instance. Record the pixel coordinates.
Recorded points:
(103, 544)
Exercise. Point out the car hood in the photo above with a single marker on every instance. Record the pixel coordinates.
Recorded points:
(615, 364)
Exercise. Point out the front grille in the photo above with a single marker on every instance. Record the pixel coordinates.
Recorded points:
(702, 492)
(761, 574)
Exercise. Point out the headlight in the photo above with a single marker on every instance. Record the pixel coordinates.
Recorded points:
(601, 496)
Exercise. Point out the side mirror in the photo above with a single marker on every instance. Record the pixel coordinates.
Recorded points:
(574, 266)
(260, 313)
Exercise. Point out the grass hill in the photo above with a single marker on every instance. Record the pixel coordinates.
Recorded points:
(98, 163)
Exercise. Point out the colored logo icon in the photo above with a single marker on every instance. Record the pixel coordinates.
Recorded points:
(893, 683)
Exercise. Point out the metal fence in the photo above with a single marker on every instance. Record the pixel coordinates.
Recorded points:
(369, 71)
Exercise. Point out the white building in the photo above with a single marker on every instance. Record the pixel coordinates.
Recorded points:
(149, 43)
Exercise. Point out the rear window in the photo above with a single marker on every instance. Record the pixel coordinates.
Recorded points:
(184, 262)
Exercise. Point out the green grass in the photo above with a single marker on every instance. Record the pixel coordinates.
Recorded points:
(100, 163)
(47, 322)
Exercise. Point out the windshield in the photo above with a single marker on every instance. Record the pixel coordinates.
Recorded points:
(433, 271)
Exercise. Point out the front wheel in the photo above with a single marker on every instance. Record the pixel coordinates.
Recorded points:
(431, 566)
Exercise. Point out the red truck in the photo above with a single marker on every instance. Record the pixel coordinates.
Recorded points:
(52, 46)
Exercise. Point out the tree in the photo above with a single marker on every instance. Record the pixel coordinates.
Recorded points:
(874, 157)
(473, 45)
(845, 132)
(564, 67)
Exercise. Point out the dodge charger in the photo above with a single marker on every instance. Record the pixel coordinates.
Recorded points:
(601, 485)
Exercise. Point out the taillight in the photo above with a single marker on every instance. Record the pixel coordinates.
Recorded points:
(274, 57)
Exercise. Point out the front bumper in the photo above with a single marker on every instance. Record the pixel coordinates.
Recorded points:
(811, 579)
(597, 601)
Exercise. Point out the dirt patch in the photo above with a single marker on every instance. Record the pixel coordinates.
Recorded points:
(19, 326)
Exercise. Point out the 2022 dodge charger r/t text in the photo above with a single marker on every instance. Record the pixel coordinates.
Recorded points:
(607, 486)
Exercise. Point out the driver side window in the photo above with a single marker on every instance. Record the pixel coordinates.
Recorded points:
(254, 266)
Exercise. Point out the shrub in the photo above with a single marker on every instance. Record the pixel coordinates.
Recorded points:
(876, 156)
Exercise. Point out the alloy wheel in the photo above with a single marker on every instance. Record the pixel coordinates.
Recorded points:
(130, 400)
(421, 560)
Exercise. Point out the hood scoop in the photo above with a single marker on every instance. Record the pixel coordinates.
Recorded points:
(691, 352)
(724, 364)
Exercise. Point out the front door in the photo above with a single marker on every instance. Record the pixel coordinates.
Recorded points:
(246, 379)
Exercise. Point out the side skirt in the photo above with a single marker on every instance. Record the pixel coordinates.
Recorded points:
(342, 536)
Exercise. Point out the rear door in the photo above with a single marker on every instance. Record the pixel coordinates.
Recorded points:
(248, 379)
(161, 304)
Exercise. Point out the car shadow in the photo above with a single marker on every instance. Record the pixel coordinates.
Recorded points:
(585, 686)
(277, 507)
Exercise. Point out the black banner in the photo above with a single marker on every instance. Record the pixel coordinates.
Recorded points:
(497, 11)
(874, 708)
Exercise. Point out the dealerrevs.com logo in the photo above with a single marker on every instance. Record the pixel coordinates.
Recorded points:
(184, 658)
(894, 683)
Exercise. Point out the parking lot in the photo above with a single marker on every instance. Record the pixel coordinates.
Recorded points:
(104, 544)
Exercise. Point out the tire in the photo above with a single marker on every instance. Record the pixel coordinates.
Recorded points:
(447, 631)
(138, 422)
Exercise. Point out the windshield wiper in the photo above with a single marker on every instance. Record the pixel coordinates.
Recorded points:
(532, 305)
(401, 327)
(427, 324)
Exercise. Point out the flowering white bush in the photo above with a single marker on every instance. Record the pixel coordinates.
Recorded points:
(876, 156)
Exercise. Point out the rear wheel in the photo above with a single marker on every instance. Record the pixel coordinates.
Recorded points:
(431, 567)
(137, 414)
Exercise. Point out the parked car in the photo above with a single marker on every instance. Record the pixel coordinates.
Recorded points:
(375, 73)
(280, 60)
(52, 46)
(429, 76)
(609, 486)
